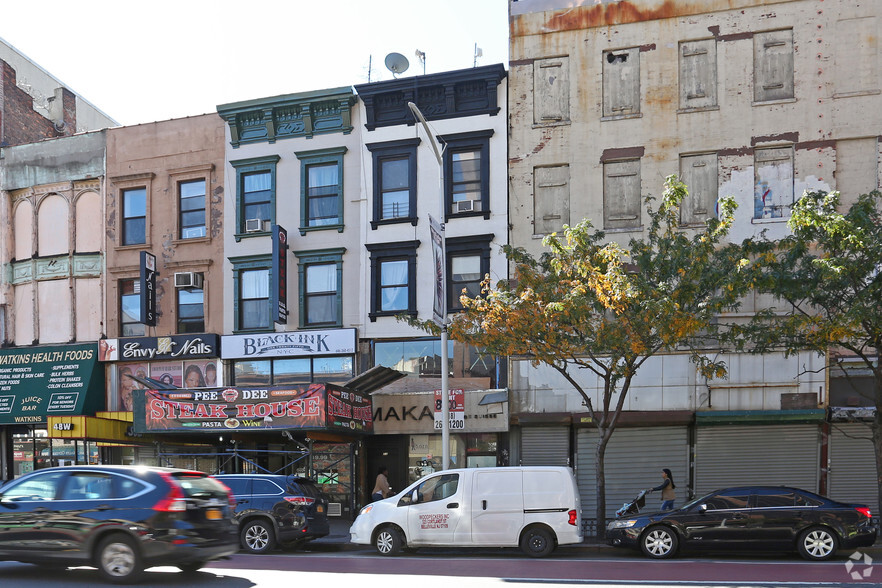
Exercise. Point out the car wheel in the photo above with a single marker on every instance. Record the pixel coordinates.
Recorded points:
(118, 560)
(537, 542)
(389, 541)
(817, 544)
(257, 537)
(191, 568)
(659, 542)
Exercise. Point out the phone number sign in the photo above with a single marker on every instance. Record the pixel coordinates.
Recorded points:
(456, 410)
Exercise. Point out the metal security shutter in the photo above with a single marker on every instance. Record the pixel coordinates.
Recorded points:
(545, 446)
(145, 455)
(633, 462)
(852, 473)
(785, 455)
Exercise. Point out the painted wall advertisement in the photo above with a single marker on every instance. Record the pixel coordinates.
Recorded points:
(38, 382)
(306, 407)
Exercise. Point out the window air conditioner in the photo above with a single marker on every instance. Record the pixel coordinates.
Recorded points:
(188, 280)
(253, 225)
(467, 206)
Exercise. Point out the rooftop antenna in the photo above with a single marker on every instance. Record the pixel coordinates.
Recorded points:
(421, 55)
(397, 63)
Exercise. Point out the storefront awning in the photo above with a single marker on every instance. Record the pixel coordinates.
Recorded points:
(759, 417)
(88, 427)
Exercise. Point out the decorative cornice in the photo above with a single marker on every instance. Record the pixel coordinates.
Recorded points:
(464, 92)
(294, 115)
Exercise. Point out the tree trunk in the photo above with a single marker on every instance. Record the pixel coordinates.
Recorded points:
(599, 454)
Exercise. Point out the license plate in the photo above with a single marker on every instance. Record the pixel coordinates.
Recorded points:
(213, 514)
(320, 508)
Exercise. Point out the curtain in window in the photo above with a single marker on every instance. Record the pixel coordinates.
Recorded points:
(258, 182)
(323, 195)
(393, 285)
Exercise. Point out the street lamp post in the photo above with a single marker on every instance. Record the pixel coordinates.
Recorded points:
(445, 403)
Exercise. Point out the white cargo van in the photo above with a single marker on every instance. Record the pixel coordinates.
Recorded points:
(536, 508)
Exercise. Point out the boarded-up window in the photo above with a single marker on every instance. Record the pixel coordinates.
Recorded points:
(621, 82)
(699, 173)
(551, 199)
(857, 167)
(857, 55)
(621, 194)
(698, 74)
(551, 90)
(773, 191)
(773, 65)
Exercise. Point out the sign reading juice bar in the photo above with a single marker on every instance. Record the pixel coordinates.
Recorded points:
(38, 382)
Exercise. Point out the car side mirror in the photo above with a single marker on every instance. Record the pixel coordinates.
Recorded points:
(702, 508)
(415, 497)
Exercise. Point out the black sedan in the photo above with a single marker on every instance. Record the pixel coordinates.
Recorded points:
(119, 519)
(767, 518)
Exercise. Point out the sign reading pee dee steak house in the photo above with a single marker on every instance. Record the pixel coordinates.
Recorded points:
(215, 410)
(38, 382)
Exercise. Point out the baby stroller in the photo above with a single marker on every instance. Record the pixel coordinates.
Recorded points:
(633, 507)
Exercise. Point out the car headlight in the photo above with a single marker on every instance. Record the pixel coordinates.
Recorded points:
(366, 509)
(622, 524)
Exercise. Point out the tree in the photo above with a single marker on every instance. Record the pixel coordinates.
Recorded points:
(594, 305)
(828, 274)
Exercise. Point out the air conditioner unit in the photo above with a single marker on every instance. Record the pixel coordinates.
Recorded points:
(467, 206)
(188, 280)
(335, 509)
(253, 225)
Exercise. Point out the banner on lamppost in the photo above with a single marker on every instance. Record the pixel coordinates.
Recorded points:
(280, 275)
(439, 307)
(148, 289)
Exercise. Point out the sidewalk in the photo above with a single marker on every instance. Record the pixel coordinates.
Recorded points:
(338, 540)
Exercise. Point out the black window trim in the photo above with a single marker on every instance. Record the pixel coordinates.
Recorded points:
(384, 252)
(473, 141)
(394, 150)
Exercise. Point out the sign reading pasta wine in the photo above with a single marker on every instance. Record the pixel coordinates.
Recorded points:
(309, 407)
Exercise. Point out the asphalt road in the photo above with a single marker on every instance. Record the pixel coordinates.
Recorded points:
(467, 568)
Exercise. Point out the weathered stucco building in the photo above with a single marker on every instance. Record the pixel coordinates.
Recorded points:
(756, 99)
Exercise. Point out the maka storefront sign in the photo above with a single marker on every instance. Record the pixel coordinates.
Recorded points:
(39, 382)
(324, 407)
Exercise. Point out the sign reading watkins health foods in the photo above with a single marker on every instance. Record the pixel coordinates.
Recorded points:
(308, 407)
(38, 382)
(293, 343)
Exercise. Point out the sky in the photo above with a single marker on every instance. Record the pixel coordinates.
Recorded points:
(147, 61)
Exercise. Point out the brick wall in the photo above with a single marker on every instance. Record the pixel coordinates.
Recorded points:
(20, 123)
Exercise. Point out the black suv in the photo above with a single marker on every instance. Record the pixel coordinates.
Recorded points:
(119, 519)
(272, 509)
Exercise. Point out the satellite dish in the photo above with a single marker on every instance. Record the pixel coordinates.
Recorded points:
(397, 63)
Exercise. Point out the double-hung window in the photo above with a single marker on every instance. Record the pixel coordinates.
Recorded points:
(251, 276)
(467, 173)
(468, 261)
(134, 214)
(394, 182)
(191, 310)
(130, 309)
(321, 189)
(320, 278)
(393, 278)
(256, 195)
(191, 198)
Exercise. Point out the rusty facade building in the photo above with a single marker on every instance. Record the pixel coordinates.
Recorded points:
(756, 99)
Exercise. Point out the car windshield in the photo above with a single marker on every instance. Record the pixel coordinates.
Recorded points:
(698, 500)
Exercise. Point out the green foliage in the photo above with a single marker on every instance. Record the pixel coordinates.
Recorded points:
(827, 278)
